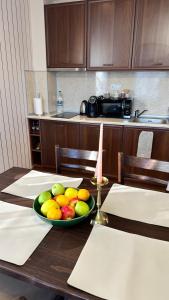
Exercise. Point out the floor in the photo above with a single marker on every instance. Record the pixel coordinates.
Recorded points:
(13, 289)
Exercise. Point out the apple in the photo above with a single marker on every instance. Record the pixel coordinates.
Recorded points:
(58, 189)
(73, 202)
(44, 196)
(68, 212)
(82, 208)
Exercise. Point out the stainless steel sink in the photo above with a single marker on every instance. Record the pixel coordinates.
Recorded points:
(150, 120)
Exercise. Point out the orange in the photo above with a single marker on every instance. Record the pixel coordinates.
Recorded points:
(83, 194)
(47, 205)
(62, 200)
(54, 213)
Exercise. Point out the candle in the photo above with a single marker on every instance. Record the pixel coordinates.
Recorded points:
(99, 160)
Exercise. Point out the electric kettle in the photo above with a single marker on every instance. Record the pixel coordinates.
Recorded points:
(83, 107)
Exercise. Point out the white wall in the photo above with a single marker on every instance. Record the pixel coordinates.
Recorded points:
(15, 57)
(38, 35)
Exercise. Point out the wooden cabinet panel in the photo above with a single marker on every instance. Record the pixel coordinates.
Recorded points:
(65, 35)
(151, 46)
(57, 133)
(110, 27)
(160, 148)
(160, 144)
(112, 144)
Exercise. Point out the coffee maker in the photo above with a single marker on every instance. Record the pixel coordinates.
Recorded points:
(92, 107)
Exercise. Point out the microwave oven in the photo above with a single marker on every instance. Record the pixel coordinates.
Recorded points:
(109, 107)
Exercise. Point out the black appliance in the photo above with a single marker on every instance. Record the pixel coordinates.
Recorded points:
(109, 107)
(115, 108)
(92, 107)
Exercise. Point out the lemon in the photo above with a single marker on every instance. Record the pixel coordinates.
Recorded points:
(48, 204)
(71, 193)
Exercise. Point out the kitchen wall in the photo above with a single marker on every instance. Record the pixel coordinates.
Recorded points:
(149, 89)
(15, 57)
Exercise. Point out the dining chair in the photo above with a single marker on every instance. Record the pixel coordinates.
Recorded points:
(143, 172)
(75, 160)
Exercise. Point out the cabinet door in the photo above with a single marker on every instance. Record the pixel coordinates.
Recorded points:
(57, 133)
(65, 35)
(110, 26)
(112, 144)
(151, 46)
(160, 143)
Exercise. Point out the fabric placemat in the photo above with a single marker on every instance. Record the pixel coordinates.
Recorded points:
(138, 204)
(21, 231)
(32, 184)
(116, 265)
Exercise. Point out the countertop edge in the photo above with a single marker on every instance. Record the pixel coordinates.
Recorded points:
(106, 121)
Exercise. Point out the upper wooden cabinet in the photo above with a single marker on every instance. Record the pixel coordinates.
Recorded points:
(151, 45)
(110, 32)
(65, 35)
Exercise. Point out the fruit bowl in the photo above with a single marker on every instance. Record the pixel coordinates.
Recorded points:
(63, 223)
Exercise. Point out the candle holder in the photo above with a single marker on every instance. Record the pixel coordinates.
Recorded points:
(101, 217)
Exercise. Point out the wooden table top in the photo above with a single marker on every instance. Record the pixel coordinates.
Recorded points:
(54, 259)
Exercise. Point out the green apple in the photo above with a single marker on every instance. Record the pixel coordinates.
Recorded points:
(44, 196)
(58, 189)
(82, 208)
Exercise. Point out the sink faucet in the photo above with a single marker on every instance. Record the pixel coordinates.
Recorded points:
(137, 113)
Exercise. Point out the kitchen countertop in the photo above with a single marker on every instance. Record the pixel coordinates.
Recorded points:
(108, 121)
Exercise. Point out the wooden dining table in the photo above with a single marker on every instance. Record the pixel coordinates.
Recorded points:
(54, 259)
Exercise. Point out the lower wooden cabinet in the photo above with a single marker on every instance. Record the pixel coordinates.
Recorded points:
(160, 144)
(80, 136)
(54, 133)
(112, 144)
(86, 136)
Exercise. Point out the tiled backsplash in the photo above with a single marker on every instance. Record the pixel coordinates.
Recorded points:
(150, 90)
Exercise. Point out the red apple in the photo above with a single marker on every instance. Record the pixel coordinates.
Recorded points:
(73, 202)
(68, 212)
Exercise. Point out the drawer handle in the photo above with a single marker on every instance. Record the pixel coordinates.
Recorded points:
(157, 64)
(108, 65)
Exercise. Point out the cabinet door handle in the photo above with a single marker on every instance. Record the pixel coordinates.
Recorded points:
(157, 64)
(108, 65)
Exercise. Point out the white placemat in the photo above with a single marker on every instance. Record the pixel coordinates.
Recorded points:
(35, 182)
(116, 265)
(21, 231)
(138, 204)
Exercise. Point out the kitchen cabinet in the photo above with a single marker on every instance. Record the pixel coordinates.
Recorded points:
(35, 142)
(160, 144)
(65, 25)
(110, 32)
(53, 133)
(160, 151)
(151, 41)
(45, 134)
(112, 144)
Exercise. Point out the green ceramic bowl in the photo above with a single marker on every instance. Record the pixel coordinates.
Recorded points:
(63, 223)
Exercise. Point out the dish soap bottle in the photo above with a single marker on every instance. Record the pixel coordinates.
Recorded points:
(60, 103)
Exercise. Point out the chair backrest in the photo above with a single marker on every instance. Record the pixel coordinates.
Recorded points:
(142, 170)
(75, 160)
